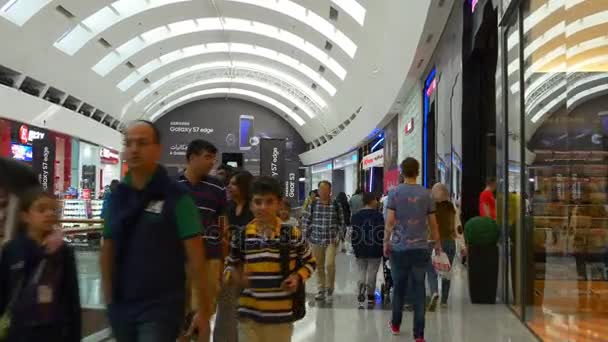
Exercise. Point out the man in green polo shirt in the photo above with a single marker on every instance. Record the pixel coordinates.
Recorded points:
(152, 227)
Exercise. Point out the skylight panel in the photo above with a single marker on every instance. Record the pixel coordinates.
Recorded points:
(20, 11)
(147, 39)
(353, 9)
(308, 17)
(73, 40)
(242, 92)
(196, 50)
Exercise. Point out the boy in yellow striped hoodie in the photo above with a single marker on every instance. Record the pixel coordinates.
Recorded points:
(266, 304)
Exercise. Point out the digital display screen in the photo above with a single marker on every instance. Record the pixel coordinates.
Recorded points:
(246, 131)
(21, 152)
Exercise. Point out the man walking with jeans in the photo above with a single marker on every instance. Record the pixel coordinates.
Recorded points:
(323, 223)
(410, 209)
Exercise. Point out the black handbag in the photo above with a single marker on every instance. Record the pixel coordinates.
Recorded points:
(299, 297)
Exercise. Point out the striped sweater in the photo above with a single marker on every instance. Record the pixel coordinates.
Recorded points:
(264, 301)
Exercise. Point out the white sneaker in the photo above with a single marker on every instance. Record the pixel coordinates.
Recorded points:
(433, 303)
(320, 296)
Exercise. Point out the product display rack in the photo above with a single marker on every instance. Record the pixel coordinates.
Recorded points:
(76, 209)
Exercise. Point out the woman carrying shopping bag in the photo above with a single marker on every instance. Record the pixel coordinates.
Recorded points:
(447, 221)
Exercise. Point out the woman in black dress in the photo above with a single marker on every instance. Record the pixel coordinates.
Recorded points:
(239, 215)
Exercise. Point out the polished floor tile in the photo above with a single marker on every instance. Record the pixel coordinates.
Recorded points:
(343, 321)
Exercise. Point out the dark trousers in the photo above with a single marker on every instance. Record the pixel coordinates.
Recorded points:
(404, 265)
(153, 331)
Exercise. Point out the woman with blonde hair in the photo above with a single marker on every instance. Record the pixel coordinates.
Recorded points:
(447, 220)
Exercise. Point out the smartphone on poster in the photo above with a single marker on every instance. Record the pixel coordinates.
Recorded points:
(245, 132)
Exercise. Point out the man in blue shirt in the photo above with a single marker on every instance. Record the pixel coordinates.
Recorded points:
(411, 210)
(152, 227)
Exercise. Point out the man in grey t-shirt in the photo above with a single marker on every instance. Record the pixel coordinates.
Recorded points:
(411, 211)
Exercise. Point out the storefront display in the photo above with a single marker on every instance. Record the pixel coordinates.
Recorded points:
(110, 167)
(90, 166)
(321, 172)
(345, 172)
(553, 160)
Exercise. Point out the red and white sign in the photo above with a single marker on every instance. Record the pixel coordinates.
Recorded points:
(432, 87)
(109, 156)
(409, 127)
(375, 159)
(27, 135)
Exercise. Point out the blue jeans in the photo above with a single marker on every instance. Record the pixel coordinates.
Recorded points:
(154, 331)
(406, 264)
(449, 247)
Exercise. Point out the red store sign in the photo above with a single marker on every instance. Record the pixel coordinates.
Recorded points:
(375, 159)
(109, 156)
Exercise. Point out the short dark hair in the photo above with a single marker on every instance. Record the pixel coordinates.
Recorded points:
(30, 196)
(265, 185)
(324, 182)
(359, 191)
(410, 167)
(369, 197)
(199, 146)
(490, 180)
(155, 131)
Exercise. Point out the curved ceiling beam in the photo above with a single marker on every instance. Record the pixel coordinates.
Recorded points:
(240, 81)
(219, 65)
(307, 17)
(92, 26)
(211, 48)
(169, 31)
(227, 92)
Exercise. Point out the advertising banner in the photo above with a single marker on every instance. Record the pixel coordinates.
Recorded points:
(44, 162)
(291, 182)
(375, 159)
(272, 158)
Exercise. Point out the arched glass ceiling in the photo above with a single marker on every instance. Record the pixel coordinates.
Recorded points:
(210, 48)
(352, 8)
(76, 37)
(20, 11)
(240, 80)
(228, 91)
(224, 64)
(147, 39)
(308, 17)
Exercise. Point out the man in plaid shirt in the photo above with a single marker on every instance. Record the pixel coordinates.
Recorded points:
(323, 225)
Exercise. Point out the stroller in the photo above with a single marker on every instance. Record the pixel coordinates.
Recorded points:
(387, 285)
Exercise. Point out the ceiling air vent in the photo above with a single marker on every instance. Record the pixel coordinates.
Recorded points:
(333, 13)
(147, 81)
(321, 69)
(328, 46)
(65, 12)
(104, 43)
(314, 86)
(130, 65)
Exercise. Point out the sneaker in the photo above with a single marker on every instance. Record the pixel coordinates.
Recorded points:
(433, 303)
(320, 296)
(361, 297)
(394, 330)
(371, 300)
(444, 305)
(330, 296)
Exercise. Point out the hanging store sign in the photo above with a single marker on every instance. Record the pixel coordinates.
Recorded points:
(291, 182)
(409, 127)
(109, 156)
(27, 135)
(375, 159)
(272, 158)
(43, 163)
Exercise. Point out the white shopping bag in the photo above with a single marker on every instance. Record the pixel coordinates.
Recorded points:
(442, 264)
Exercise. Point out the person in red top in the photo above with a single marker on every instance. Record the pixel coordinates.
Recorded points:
(487, 202)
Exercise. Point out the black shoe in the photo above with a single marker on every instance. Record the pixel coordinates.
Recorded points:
(361, 296)
(371, 300)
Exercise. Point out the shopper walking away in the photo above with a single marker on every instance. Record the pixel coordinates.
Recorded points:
(38, 282)
(447, 221)
(410, 210)
(342, 200)
(239, 216)
(323, 223)
(271, 262)
(209, 197)
(487, 201)
(367, 237)
(356, 202)
(152, 228)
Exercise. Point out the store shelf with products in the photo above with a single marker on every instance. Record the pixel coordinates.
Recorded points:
(569, 209)
(76, 209)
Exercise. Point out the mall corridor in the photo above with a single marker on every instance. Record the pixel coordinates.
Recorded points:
(343, 321)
